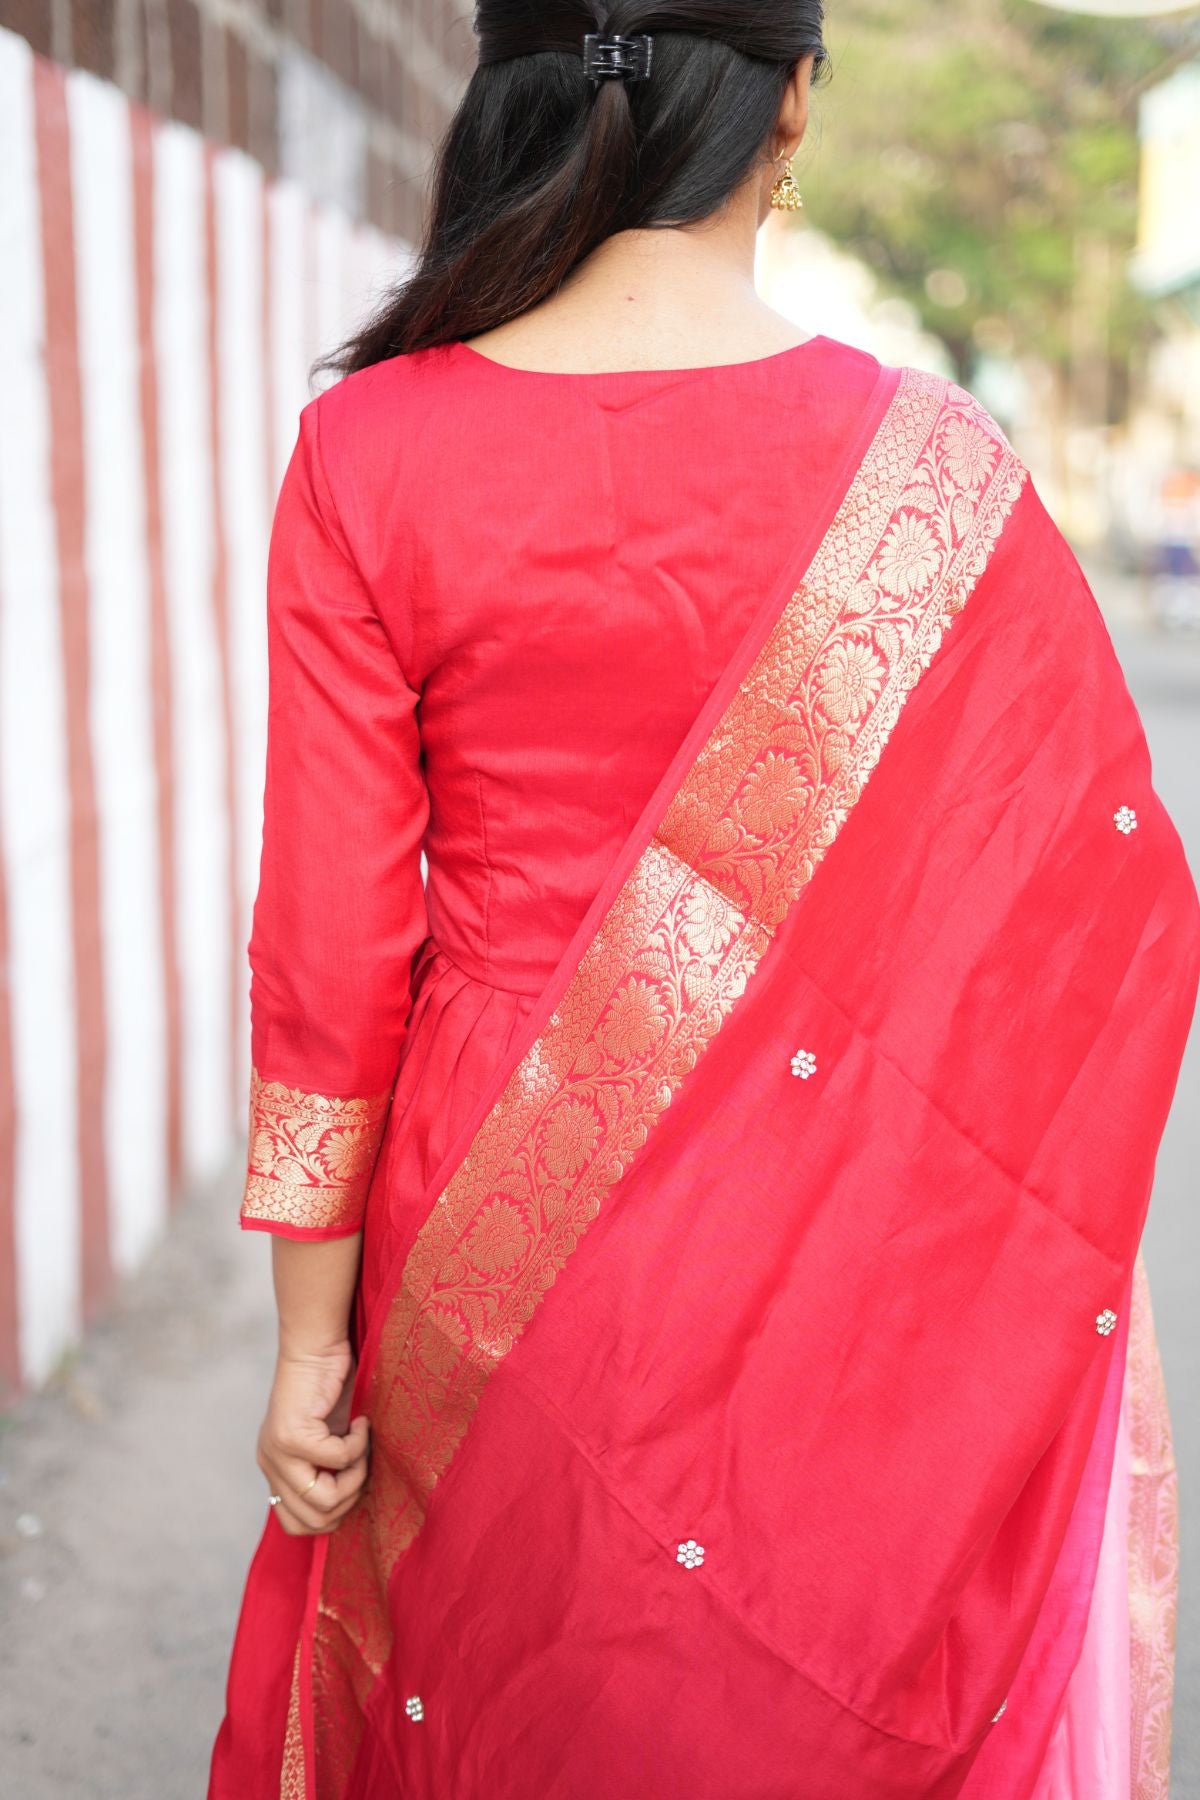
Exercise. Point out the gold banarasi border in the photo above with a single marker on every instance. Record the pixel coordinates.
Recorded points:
(310, 1156)
(1153, 1551)
(291, 1777)
(755, 814)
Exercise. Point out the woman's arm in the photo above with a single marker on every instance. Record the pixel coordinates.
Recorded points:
(338, 916)
(311, 1454)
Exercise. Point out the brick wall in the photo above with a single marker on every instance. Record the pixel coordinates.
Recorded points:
(348, 97)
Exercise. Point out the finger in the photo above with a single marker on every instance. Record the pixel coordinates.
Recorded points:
(299, 1519)
(316, 1497)
(326, 1449)
(288, 1521)
(305, 1478)
(332, 1492)
(322, 1489)
(338, 1420)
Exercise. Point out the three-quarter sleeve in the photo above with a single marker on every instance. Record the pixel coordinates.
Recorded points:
(340, 910)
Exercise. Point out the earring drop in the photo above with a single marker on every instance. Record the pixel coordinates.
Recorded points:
(785, 194)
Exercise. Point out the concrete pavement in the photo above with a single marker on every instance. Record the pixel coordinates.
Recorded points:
(130, 1504)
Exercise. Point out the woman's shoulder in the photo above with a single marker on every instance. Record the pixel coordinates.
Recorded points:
(370, 420)
(917, 398)
(954, 406)
(372, 395)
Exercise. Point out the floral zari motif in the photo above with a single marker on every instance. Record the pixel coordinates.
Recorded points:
(752, 819)
(311, 1155)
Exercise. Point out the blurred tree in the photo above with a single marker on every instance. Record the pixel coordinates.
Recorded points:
(982, 159)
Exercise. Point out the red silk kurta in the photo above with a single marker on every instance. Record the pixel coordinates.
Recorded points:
(757, 1488)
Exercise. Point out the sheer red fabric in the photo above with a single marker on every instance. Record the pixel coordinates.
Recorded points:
(753, 1120)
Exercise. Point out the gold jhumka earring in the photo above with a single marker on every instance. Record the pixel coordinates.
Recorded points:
(785, 193)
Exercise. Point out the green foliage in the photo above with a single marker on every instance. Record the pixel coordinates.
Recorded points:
(964, 150)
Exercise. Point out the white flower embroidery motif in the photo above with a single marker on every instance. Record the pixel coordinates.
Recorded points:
(707, 921)
(804, 1064)
(414, 1708)
(999, 1710)
(1106, 1322)
(849, 681)
(690, 1554)
(1125, 820)
(969, 453)
(910, 557)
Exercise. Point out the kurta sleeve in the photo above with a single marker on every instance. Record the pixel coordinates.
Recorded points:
(340, 909)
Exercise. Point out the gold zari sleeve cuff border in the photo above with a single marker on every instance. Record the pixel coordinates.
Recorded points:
(311, 1155)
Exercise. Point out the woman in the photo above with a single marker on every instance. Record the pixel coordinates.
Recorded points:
(706, 1211)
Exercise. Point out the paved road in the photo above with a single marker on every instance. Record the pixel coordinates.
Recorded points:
(129, 1502)
(129, 1506)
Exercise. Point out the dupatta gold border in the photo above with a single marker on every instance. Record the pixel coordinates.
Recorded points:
(1153, 1551)
(761, 804)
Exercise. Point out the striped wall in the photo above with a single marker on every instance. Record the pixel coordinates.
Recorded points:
(161, 302)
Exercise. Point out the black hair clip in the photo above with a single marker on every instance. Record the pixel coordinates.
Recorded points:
(625, 57)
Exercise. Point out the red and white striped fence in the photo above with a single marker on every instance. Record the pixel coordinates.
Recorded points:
(161, 301)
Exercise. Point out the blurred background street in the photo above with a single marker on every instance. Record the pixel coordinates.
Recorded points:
(197, 198)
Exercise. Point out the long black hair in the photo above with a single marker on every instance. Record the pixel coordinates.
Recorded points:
(540, 164)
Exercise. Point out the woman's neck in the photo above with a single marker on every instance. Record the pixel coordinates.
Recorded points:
(676, 297)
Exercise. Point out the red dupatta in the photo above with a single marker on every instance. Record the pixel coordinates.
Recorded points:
(731, 1408)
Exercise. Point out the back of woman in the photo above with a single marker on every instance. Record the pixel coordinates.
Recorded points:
(691, 970)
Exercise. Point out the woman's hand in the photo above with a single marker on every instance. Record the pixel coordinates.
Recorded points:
(307, 1450)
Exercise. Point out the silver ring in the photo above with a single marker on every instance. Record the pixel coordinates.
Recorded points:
(275, 1499)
